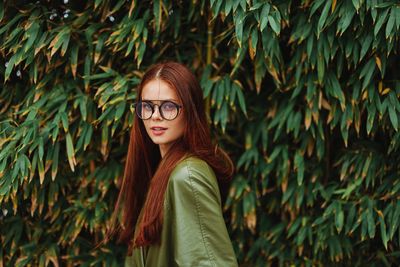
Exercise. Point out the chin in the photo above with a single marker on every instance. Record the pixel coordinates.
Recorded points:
(159, 141)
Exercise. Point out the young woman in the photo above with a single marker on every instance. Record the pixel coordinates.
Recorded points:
(173, 177)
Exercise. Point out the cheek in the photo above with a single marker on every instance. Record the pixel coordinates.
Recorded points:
(179, 126)
(146, 125)
(182, 126)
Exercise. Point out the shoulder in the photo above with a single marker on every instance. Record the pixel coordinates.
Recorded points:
(191, 167)
(193, 173)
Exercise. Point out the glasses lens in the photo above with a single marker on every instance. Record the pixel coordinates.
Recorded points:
(144, 110)
(169, 110)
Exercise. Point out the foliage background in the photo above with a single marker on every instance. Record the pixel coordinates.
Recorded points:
(304, 95)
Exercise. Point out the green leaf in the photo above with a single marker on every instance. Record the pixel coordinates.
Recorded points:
(299, 166)
(394, 221)
(31, 35)
(264, 16)
(350, 218)
(371, 117)
(10, 66)
(346, 19)
(61, 39)
(384, 236)
(367, 72)
(228, 7)
(41, 171)
(11, 23)
(74, 59)
(393, 117)
(70, 151)
(370, 223)
(390, 23)
(337, 91)
(240, 97)
(339, 219)
(87, 67)
(380, 21)
(356, 4)
(41, 148)
(365, 46)
(157, 12)
(140, 53)
(323, 17)
(397, 15)
(239, 24)
(321, 69)
(1, 10)
(275, 23)
(220, 92)
(54, 164)
(254, 39)
(88, 137)
(64, 120)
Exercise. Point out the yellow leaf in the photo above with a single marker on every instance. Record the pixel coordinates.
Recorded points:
(387, 90)
(315, 116)
(325, 104)
(131, 8)
(252, 51)
(41, 171)
(70, 152)
(73, 69)
(307, 119)
(333, 5)
(284, 184)
(310, 147)
(378, 63)
(364, 95)
(380, 214)
(251, 221)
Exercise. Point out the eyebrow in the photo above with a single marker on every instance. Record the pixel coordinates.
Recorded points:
(161, 100)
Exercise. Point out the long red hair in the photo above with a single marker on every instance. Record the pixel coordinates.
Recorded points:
(146, 174)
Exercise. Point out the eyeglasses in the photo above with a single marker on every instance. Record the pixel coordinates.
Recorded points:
(167, 109)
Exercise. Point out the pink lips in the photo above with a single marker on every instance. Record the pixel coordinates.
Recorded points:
(156, 130)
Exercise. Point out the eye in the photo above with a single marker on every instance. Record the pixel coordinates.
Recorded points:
(169, 106)
(146, 106)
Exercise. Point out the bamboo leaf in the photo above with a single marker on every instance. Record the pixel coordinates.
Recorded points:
(241, 99)
(54, 164)
(390, 23)
(384, 236)
(264, 16)
(394, 222)
(157, 11)
(323, 17)
(381, 20)
(70, 151)
(299, 166)
(371, 223)
(74, 59)
(275, 23)
(339, 219)
(393, 118)
(1, 11)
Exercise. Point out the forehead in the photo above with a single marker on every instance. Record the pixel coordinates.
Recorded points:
(157, 89)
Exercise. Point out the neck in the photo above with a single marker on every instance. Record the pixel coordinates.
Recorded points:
(163, 149)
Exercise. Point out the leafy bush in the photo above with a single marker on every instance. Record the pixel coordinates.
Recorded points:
(304, 95)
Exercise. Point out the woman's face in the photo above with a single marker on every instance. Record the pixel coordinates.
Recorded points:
(162, 132)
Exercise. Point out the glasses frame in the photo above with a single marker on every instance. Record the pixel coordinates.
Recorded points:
(152, 105)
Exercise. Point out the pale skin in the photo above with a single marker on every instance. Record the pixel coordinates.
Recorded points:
(156, 91)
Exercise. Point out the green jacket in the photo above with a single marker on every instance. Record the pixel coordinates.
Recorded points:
(194, 232)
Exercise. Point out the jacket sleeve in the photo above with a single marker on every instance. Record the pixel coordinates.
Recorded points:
(197, 227)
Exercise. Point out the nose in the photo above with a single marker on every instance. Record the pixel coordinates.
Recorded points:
(156, 115)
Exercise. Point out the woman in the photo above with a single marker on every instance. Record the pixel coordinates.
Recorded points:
(170, 193)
